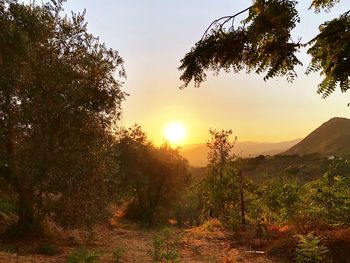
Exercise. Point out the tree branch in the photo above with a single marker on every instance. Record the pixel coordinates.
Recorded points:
(227, 19)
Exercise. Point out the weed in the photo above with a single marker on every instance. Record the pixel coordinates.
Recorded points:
(212, 224)
(83, 256)
(7, 206)
(118, 253)
(47, 249)
(309, 249)
(165, 246)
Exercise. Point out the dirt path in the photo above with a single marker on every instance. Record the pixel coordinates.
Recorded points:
(196, 245)
(201, 244)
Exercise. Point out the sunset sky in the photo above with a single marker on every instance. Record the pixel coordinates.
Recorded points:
(153, 36)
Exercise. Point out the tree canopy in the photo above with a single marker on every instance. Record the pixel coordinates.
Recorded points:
(262, 43)
(155, 176)
(58, 99)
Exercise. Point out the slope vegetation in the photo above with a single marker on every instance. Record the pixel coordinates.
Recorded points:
(331, 138)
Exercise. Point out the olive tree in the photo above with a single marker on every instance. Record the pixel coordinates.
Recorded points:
(59, 97)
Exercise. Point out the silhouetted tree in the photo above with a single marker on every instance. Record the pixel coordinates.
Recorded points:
(156, 176)
(263, 43)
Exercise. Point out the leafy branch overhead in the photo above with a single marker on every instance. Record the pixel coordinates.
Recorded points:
(263, 44)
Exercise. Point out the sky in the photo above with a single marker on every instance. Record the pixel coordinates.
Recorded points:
(153, 36)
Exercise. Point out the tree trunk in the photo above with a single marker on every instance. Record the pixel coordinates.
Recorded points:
(27, 224)
(242, 198)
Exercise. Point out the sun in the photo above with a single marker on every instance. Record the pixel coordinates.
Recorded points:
(174, 132)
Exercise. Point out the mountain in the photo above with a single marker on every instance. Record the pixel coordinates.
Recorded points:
(331, 138)
(196, 154)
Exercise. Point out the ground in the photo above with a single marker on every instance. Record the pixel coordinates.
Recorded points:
(208, 243)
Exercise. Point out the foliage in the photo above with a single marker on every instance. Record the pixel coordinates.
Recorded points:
(283, 199)
(154, 176)
(310, 249)
(323, 4)
(83, 256)
(8, 248)
(331, 53)
(165, 246)
(7, 206)
(15, 230)
(47, 249)
(212, 224)
(263, 44)
(187, 210)
(322, 202)
(58, 100)
(118, 253)
(218, 191)
(327, 201)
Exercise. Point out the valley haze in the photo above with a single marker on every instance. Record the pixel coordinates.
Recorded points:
(331, 138)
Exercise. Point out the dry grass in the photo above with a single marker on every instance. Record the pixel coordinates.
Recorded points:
(208, 243)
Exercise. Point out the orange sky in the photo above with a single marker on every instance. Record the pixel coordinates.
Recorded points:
(152, 36)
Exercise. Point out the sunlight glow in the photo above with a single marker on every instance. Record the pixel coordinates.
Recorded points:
(174, 132)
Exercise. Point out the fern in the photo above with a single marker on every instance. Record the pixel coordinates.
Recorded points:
(310, 249)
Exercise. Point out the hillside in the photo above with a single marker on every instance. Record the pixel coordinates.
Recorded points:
(331, 138)
(196, 154)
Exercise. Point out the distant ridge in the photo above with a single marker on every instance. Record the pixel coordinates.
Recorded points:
(331, 138)
(196, 154)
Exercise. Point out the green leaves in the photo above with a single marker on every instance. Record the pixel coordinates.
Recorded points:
(283, 199)
(310, 249)
(327, 199)
(263, 45)
(58, 101)
(219, 189)
(221, 50)
(83, 255)
(330, 53)
(323, 4)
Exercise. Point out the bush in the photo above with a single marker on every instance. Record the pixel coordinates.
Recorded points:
(8, 248)
(165, 246)
(187, 212)
(327, 201)
(47, 249)
(212, 224)
(7, 206)
(118, 253)
(83, 256)
(309, 249)
(16, 231)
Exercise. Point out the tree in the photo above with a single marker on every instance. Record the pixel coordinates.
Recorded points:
(220, 189)
(155, 176)
(58, 100)
(263, 44)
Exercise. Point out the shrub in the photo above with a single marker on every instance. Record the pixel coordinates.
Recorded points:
(327, 200)
(47, 249)
(165, 246)
(83, 256)
(7, 206)
(16, 231)
(212, 224)
(7, 248)
(118, 253)
(310, 249)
